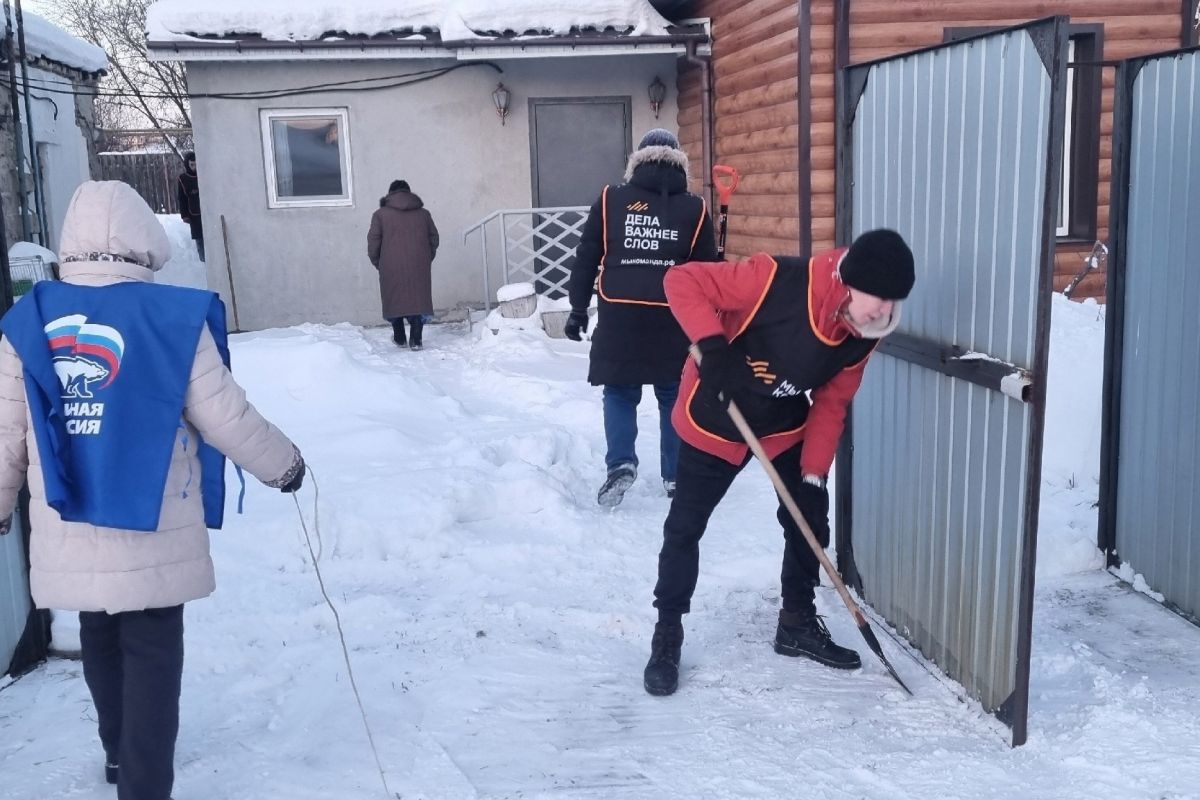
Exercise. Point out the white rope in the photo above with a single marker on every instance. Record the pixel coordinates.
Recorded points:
(338, 620)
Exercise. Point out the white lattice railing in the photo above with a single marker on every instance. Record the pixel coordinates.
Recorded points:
(535, 245)
(26, 271)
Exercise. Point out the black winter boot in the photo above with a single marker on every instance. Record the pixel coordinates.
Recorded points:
(803, 633)
(416, 325)
(662, 671)
(398, 333)
(619, 479)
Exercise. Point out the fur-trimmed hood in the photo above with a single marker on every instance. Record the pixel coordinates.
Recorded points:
(656, 153)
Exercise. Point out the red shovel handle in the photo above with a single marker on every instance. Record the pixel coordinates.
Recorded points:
(726, 180)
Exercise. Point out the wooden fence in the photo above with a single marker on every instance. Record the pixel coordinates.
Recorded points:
(155, 176)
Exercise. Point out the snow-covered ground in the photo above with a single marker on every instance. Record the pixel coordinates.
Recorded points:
(498, 620)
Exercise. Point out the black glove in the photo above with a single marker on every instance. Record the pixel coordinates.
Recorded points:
(723, 368)
(294, 484)
(576, 324)
(814, 505)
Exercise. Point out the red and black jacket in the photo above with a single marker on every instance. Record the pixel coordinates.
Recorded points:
(785, 315)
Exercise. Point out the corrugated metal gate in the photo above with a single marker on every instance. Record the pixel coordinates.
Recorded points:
(15, 603)
(1150, 481)
(959, 148)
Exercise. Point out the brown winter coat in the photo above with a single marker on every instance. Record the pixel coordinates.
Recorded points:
(401, 244)
(77, 566)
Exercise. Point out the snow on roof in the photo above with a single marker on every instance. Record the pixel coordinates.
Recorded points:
(31, 250)
(308, 20)
(44, 39)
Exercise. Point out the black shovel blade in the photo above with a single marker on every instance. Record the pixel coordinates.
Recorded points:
(869, 635)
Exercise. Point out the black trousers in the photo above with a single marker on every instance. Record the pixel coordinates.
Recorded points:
(133, 665)
(416, 322)
(701, 482)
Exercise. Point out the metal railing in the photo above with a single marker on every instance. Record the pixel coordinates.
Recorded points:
(26, 271)
(535, 245)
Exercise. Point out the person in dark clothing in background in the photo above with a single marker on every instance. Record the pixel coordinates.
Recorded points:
(770, 330)
(401, 244)
(633, 234)
(187, 192)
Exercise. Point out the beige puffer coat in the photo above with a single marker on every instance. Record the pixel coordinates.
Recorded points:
(76, 566)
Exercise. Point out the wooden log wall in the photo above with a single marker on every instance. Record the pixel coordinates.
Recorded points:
(755, 80)
(881, 28)
(755, 71)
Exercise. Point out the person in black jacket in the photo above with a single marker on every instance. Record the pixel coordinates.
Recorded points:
(187, 191)
(633, 234)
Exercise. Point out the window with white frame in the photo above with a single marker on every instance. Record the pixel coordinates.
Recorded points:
(307, 153)
(1063, 227)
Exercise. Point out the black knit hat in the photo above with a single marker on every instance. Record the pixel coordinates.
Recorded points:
(659, 137)
(398, 186)
(880, 264)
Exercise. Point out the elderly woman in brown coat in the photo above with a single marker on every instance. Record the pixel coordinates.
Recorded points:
(129, 584)
(401, 244)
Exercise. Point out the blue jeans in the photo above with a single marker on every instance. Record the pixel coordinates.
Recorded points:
(620, 425)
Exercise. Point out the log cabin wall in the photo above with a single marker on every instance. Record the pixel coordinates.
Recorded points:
(755, 67)
(755, 72)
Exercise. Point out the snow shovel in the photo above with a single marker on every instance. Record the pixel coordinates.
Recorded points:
(726, 179)
(860, 619)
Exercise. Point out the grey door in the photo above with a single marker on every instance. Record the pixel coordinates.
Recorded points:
(577, 146)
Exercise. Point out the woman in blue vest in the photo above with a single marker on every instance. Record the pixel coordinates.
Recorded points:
(117, 403)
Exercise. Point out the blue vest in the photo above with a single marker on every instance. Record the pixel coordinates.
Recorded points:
(106, 373)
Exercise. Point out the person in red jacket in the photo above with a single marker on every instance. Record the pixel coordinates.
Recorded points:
(771, 331)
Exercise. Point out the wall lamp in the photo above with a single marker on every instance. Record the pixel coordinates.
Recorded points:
(658, 92)
(500, 98)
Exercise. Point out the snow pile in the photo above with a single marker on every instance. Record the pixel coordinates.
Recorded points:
(184, 267)
(514, 291)
(306, 20)
(1071, 449)
(48, 41)
(31, 250)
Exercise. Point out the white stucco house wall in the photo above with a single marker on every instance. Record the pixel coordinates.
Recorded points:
(305, 111)
(62, 72)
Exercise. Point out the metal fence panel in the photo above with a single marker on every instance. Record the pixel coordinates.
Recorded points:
(956, 147)
(15, 604)
(153, 175)
(1155, 526)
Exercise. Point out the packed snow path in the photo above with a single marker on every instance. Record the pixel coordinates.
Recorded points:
(498, 622)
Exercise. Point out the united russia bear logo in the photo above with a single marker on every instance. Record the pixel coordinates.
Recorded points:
(85, 354)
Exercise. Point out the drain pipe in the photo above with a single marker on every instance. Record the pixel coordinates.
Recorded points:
(706, 114)
(10, 55)
(35, 160)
